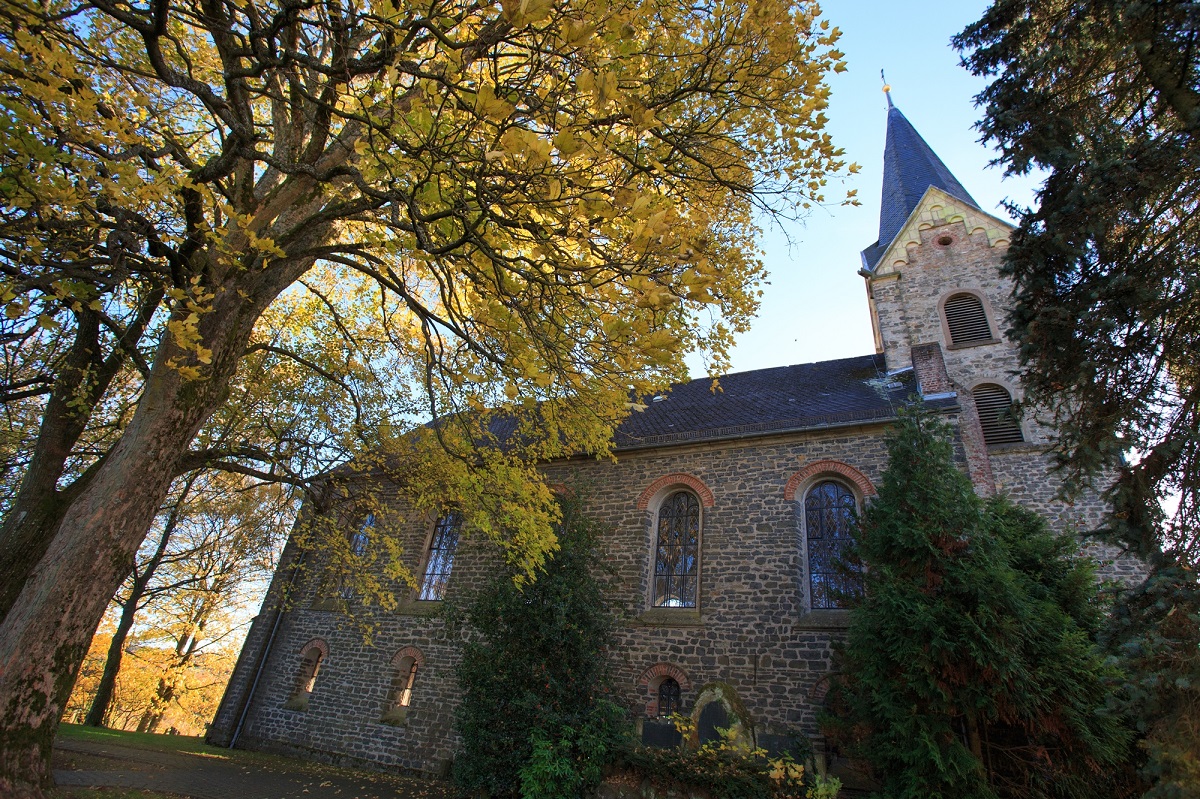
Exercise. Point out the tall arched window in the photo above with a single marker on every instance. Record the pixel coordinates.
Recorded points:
(362, 538)
(359, 541)
(997, 416)
(669, 697)
(829, 511)
(966, 319)
(440, 558)
(677, 551)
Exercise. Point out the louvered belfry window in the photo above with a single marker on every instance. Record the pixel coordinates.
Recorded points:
(997, 415)
(966, 319)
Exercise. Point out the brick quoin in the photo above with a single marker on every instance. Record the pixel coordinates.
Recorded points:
(653, 676)
(694, 483)
(860, 480)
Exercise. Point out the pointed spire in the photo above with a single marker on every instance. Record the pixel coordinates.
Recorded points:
(910, 167)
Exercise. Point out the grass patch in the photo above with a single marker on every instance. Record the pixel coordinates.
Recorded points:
(406, 785)
(137, 740)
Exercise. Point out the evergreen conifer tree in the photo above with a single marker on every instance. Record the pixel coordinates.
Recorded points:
(532, 676)
(969, 668)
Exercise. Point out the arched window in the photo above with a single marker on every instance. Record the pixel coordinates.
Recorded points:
(359, 541)
(402, 682)
(829, 511)
(669, 697)
(362, 538)
(966, 319)
(439, 560)
(997, 416)
(405, 665)
(677, 551)
(311, 658)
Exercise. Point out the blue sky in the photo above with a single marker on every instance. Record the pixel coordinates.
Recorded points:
(815, 307)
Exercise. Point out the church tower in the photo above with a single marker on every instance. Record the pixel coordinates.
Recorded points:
(939, 303)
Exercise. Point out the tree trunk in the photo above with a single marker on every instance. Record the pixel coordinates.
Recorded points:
(39, 505)
(141, 582)
(37, 509)
(112, 665)
(45, 635)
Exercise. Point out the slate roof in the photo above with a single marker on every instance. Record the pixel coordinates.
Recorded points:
(784, 398)
(910, 167)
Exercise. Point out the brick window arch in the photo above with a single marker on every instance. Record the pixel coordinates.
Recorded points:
(828, 467)
(652, 680)
(312, 657)
(702, 491)
(997, 415)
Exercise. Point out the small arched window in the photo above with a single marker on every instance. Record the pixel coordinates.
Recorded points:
(311, 658)
(677, 551)
(997, 415)
(439, 560)
(966, 319)
(402, 682)
(669, 697)
(829, 512)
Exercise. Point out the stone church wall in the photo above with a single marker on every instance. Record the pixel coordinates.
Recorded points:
(753, 629)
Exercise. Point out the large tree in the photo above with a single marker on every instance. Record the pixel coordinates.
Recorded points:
(969, 668)
(1104, 95)
(554, 203)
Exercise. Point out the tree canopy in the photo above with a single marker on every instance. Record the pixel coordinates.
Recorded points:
(551, 205)
(1105, 96)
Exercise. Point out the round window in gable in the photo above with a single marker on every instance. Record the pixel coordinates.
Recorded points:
(945, 241)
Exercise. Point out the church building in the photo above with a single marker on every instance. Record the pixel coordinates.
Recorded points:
(728, 513)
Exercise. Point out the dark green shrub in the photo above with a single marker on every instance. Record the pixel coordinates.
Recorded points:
(969, 669)
(532, 675)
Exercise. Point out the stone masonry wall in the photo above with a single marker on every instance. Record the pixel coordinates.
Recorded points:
(753, 629)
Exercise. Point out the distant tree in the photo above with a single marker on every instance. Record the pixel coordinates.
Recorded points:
(134, 593)
(215, 542)
(969, 668)
(533, 673)
(555, 202)
(1104, 95)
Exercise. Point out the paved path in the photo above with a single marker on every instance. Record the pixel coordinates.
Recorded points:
(204, 776)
